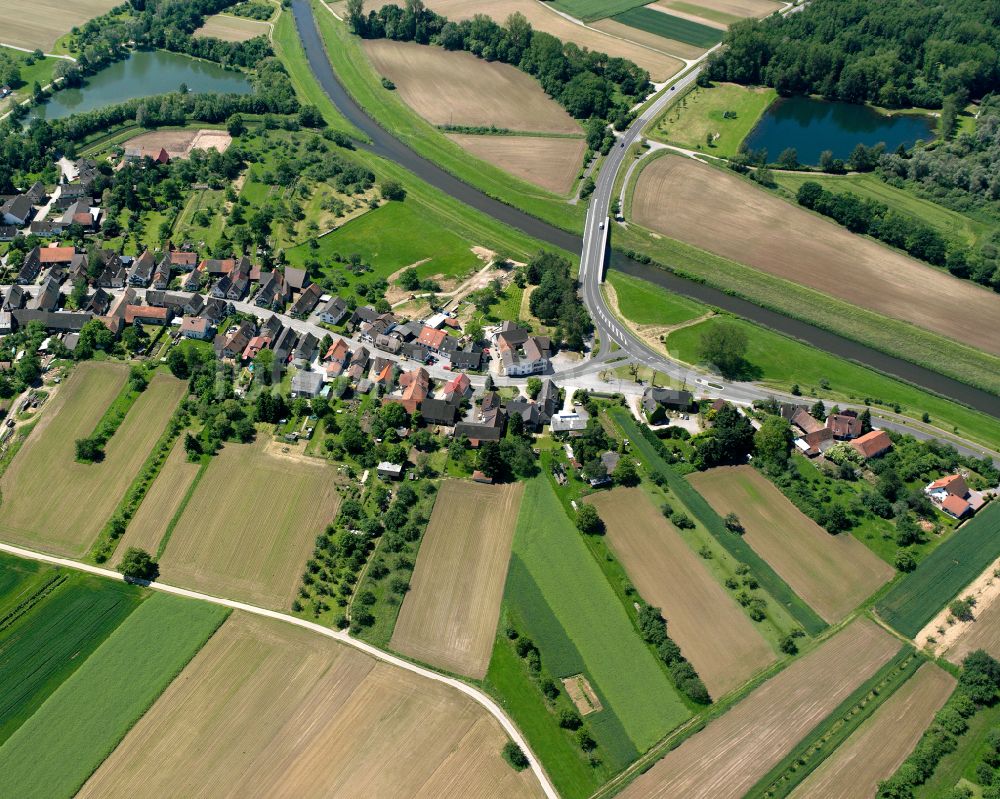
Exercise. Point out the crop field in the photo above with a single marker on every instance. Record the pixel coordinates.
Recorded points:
(161, 502)
(54, 752)
(457, 88)
(734, 751)
(660, 65)
(728, 216)
(267, 709)
(674, 47)
(875, 750)
(568, 609)
(38, 23)
(833, 574)
(670, 26)
(724, 11)
(551, 163)
(65, 510)
(939, 578)
(983, 633)
(230, 28)
(18, 581)
(250, 525)
(449, 617)
(589, 10)
(706, 623)
(45, 645)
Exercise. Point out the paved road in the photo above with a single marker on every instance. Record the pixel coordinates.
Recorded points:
(478, 696)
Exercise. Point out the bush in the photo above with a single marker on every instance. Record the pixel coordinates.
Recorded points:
(570, 719)
(514, 756)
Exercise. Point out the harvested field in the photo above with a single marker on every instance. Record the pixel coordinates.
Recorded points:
(659, 65)
(876, 749)
(457, 88)
(728, 216)
(551, 163)
(250, 525)
(180, 143)
(51, 501)
(266, 709)
(983, 633)
(38, 23)
(734, 751)
(161, 502)
(732, 8)
(832, 573)
(449, 617)
(233, 29)
(671, 46)
(706, 623)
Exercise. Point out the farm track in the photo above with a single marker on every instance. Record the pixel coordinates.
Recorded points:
(477, 695)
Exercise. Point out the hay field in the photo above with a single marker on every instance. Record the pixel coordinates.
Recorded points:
(449, 617)
(38, 23)
(728, 216)
(832, 573)
(52, 502)
(266, 709)
(161, 502)
(180, 143)
(551, 163)
(250, 525)
(734, 751)
(659, 65)
(457, 88)
(876, 749)
(233, 29)
(706, 623)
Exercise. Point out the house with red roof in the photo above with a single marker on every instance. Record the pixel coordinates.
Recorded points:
(952, 494)
(431, 338)
(872, 444)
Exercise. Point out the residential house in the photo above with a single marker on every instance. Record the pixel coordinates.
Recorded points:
(471, 359)
(147, 315)
(254, 346)
(570, 423)
(274, 291)
(872, 444)
(305, 350)
(307, 301)
(442, 412)
(99, 302)
(185, 260)
(457, 389)
(521, 353)
(161, 274)
(338, 353)
(141, 272)
(215, 310)
(135, 153)
(235, 283)
(845, 426)
(283, 346)
(231, 344)
(197, 327)
(815, 443)
(178, 303)
(307, 384)
(390, 471)
(359, 364)
(383, 374)
(528, 411)
(490, 421)
(81, 213)
(297, 279)
(657, 401)
(416, 387)
(113, 273)
(47, 298)
(16, 210)
(36, 194)
(953, 496)
(192, 280)
(805, 422)
(16, 298)
(8, 232)
(548, 401)
(431, 338)
(334, 311)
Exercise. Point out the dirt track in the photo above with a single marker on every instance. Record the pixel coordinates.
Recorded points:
(726, 215)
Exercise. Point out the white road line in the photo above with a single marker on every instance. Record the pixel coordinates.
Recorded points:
(337, 635)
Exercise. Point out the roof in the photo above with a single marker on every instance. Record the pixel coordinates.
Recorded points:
(432, 338)
(458, 385)
(956, 506)
(806, 422)
(306, 381)
(56, 255)
(871, 444)
(338, 350)
(844, 425)
(194, 324)
(390, 468)
(296, 278)
(439, 411)
(133, 312)
(954, 484)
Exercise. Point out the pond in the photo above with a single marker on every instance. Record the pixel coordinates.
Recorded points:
(812, 126)
(144, 73)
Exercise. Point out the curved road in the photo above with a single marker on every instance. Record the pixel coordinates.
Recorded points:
(475, 694)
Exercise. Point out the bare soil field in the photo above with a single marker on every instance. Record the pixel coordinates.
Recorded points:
(736, 8)
(455, 88)
(706, 623)
(685, 12)
(233, 29)
(54, 503)
(983, 633)
(449, 616)
(250, 525)
(734, 751)
(38, 23)
(726, 215)
(651, 40)
(832, 573)
(582, 693)
(161, 501)
(876, 749)
(659, 65)
(266, 709)
(551, 163)
(180, 143)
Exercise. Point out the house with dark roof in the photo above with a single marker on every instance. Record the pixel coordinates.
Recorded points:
(307, 301)
(231, 345)
(845, 426)
(161, 274)
(16, 210)
(439, 411)
(274, 291)
(235, 283)
(527, 410)
(69, 321)
(15, 299)
(305, 350)
(140, 274)
(47, 298)
(805, 422)
(817, 442)
(521, 353)
(296, 278)
(334, 311)
(657, 401)
(471, 359)
(113, 273)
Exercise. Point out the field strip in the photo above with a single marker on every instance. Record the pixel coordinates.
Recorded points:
(337, 635)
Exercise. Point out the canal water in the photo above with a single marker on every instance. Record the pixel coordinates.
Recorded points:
(144, 73)
(812, 126)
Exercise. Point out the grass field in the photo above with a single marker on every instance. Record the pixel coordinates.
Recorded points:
(551, 163)
(47, 644)
(32, 24)
(589, 10)
(647, 304)
(670, 27)
(565, 604)
(726, 759)
(833, 574)
(702, 112)
(914, 600)
(706, 623)
(266, 709)
(456, 88)
(18, 580)
(65, 511)
(449, 617)
(726, 215)
(875, 750)
(962, 762)
(161, 501)
(55, 751)
(232, 29)
(250, 525)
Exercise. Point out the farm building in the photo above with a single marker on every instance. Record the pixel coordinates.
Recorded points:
(390, 471)
(872, 444)
(953, 495)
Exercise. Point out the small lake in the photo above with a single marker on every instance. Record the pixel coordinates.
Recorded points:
(812, 126)
(144, 73)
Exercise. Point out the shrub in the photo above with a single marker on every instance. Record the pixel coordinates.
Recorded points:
(514, 756)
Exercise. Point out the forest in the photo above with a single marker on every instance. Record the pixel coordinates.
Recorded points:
(894, 53)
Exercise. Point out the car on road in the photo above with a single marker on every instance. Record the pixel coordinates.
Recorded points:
(601, 226)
